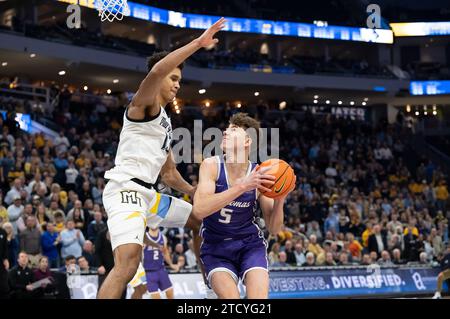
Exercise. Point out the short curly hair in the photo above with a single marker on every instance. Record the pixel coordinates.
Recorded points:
(156, 57)
(244, 121)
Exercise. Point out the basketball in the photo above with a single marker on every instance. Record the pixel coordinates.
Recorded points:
(284, 177)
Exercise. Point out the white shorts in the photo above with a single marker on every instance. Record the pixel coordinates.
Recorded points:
(140, 278)
(131, 208)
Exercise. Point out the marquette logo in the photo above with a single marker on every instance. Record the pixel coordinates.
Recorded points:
(130, 197)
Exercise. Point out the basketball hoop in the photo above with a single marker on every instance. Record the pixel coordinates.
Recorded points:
(113, 9)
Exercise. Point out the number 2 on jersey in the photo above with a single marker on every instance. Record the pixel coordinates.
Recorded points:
(226, 214)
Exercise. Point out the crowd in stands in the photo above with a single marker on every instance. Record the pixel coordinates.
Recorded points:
(360, 197)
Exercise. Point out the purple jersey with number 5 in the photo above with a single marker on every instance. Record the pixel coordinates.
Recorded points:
(237, 219)
(153, 257)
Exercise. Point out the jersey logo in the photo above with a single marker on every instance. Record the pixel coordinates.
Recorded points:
(277, 190)
(130, 197)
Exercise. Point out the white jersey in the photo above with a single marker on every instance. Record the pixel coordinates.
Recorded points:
(143, 148)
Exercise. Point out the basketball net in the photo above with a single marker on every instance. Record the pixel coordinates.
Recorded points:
(113, 9)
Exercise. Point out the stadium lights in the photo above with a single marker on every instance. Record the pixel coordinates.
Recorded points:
(62, 72)
(408, 108)
(177, 111)
(32, 55)
(207, 104)
(116, 81)
(108, 91)
(256, 93)
(366, 99)
(327, 101)
(176, 107)
(239, 105)
(339, 102)
(352, 103)
(175, 102)
(201, 91)
(316, 97)
(85, 88)
(283, 105)
(425, 113)
(364, 103)
(4, 63)
(315, 101)
(434, 107)
(417, 113)
(434, 112)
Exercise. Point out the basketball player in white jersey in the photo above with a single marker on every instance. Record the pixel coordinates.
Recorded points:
(143, 153)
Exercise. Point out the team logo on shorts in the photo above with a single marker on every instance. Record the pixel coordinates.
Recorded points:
(130, 197)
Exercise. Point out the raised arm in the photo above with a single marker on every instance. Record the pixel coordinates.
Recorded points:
(206, 202)
(146, 98)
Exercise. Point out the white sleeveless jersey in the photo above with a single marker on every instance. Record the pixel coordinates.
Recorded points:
(143, 148)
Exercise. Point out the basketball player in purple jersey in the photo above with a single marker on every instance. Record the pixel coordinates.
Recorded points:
(154, 257)
(233, 245)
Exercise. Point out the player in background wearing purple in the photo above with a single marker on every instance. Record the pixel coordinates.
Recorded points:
(233, 245)
(157, 277)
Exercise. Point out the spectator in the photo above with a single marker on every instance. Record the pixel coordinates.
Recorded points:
(191, 261)
(21, 222)
(329, 260)
(42, 216)
(290, 256)
(178, 252)
(50, 241)
(366, 260)
(354, 246)
(15, 210)
(314, 247)
(310, 260)
(43, 272)
(88, 253)
(385, 259)
(343, 259)
(13, 244)
(69, 264)
(96, 226)
(85, 268)
(14, 192)
(104, 254)
(314, 229)
(282, 257)
(397, 260)
(72, 241)
(59, 222)
(377, 241)
(300, 254)
(30, 241)
(21, 279)
(273, 254)
(411, 240)
(181, 263)
(423, 258)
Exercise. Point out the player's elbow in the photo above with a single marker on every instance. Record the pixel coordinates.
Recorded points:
(200, 210)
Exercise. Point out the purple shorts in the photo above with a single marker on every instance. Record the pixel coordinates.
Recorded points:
(158, 279)
(236, 256)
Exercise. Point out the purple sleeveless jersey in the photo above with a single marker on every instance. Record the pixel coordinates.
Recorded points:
(232, 240)
(157, 276)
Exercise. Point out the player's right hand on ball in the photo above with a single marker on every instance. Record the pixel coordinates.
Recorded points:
(258, 179)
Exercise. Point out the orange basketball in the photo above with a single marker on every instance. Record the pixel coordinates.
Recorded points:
(284, 177)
